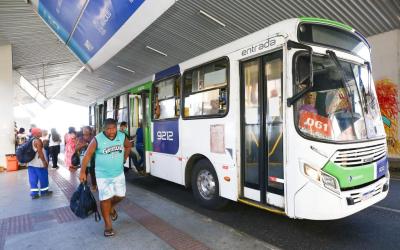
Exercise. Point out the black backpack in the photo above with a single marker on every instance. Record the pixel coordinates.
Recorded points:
(25, 153)
(83, 203)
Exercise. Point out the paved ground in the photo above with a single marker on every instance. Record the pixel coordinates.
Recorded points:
(161, 215)
(377, 227)
(146, 221)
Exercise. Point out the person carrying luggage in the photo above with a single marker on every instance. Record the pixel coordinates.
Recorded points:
(111, 149)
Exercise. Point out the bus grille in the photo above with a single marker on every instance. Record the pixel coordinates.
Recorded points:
(358, 197)
(359, 156)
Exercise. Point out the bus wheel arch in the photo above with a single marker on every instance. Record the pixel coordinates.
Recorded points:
(205, 184)
(189, 168)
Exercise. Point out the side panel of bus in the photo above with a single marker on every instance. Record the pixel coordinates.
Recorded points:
(166, 164)
(208, 131)
(165, 158)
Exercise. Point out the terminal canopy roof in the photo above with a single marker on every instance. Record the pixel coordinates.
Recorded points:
(49, 59)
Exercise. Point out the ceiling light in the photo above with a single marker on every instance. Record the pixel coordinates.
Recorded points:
(92, 88)
(121, 67)
(81, 93)
(155, 50)
(74, 98)
(68, 82)
(110, 82)
(212, 18)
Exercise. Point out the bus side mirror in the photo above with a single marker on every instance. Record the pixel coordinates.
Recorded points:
(295, 45)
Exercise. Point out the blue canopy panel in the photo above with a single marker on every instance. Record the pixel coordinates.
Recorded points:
(97, 30)
(172, 71)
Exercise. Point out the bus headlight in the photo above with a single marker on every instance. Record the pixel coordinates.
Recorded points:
(330, 182)
(312, 172)
(322, 178)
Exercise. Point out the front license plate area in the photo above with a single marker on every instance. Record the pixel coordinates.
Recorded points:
(367, 195)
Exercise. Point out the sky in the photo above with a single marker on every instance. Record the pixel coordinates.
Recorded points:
(59, 115)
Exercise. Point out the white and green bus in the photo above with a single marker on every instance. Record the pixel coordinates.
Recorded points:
(285, 119)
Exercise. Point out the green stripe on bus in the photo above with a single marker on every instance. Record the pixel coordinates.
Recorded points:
(148, 144)
(326, 21)
(350, 176)
(141, 87)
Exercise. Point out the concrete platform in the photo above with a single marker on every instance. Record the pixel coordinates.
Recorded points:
(146, 221)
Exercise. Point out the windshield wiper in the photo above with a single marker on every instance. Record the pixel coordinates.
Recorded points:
(343, 78)
(334, 58)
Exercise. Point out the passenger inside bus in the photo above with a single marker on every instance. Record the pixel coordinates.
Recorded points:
(215, 109)
(312, 112)
(139, 164)
(309, 102)
(157, 110)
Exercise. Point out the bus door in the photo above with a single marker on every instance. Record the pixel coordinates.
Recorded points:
(139, 110)
(262, 130)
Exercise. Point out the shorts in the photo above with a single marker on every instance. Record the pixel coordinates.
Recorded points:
(110, 187)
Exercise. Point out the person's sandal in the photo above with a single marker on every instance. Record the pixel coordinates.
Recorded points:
(109, 233)
(114, 215)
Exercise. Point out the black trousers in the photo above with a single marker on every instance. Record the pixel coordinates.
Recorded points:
(90, 170)
(54, 151)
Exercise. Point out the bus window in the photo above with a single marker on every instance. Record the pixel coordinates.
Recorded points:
(92, 121)
(166, 99)
(123, 109)
(205, 90)
(99, 117)
(110, 108)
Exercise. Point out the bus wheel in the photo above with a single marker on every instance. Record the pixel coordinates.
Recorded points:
(205, 186)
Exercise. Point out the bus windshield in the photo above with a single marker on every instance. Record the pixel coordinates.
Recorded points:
(342, 104)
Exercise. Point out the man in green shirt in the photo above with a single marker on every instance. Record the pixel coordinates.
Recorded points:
(111, 149)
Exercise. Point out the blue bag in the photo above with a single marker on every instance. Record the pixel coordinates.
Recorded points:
(25, 153)
(83, 203)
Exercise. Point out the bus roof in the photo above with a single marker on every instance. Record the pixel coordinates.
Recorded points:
(326, 21)
(336, 24)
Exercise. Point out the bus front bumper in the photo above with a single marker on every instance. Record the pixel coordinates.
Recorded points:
(316, 203)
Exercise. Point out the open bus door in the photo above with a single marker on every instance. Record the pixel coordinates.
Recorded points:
(139, 105)
(262, 130)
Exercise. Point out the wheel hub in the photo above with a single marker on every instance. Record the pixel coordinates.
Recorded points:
(206, 184)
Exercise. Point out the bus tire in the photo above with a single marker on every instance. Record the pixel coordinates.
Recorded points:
(205, 186)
